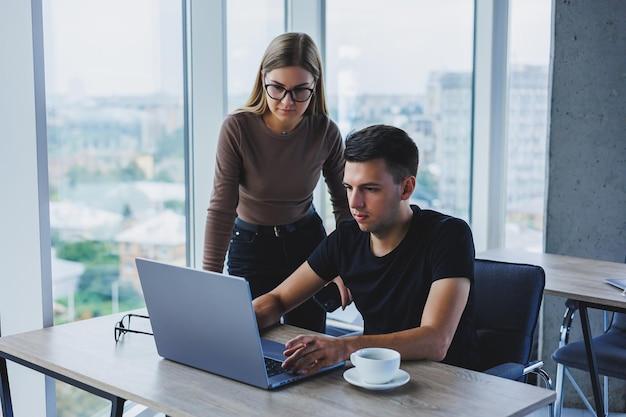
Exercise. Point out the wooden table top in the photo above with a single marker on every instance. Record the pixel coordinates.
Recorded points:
(131, 369)
(570, 277)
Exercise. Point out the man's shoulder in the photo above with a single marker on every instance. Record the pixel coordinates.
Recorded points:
(435, 224)
(427, 216)
(346, 235)
(348, 226)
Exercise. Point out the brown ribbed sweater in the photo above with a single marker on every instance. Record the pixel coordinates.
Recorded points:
(267, 178)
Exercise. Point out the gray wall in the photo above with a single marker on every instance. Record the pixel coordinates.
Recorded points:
(586, 197)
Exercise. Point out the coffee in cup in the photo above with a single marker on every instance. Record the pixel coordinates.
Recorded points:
(376, 365)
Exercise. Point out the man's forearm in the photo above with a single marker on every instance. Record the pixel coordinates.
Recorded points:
(413, 344)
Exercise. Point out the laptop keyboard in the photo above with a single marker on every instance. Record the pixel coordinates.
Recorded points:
(273, 367)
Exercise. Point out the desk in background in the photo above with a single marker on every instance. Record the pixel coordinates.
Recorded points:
(577, 279)
(84, 354)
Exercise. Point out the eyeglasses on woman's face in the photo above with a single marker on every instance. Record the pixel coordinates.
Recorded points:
(298, 94)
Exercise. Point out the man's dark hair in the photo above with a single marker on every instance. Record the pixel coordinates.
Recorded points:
(389, 143)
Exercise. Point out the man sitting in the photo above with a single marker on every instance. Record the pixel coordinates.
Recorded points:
(409, 271)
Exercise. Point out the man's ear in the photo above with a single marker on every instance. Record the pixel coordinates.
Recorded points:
(408, 186)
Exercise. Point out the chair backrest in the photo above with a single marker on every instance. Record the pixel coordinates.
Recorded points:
(619, 322)
(508, 298)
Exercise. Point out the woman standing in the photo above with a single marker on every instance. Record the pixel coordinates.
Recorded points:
(270, 155)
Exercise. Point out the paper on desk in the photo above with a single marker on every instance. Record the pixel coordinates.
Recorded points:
(619, 283)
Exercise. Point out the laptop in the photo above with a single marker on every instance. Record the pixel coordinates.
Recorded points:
(618, 283)
(206, 320)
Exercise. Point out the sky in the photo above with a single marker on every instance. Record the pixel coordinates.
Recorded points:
(108, 47)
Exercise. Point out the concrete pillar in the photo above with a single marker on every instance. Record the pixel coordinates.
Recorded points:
(586, 197)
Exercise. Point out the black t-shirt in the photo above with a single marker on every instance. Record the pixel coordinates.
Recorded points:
(390, 291)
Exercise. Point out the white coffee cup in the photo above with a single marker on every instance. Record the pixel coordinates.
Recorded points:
(376, 365)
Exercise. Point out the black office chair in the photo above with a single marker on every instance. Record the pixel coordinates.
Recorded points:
(610, 353)
(508, 297)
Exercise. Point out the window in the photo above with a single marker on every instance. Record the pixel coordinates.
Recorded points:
(527, 122)
(408, 64)
(114, 93)
(115, 139)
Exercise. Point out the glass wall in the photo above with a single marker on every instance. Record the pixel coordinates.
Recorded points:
(408, 64)
(527, 122)
(115, 147)
(114, 93)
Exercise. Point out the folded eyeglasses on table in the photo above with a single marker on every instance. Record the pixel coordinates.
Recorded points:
(123, 326)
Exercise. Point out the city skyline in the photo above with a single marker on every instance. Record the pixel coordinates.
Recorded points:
(131, 48)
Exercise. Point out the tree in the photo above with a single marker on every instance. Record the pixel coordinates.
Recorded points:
(132, 172)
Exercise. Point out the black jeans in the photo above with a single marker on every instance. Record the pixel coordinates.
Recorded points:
(266, 260)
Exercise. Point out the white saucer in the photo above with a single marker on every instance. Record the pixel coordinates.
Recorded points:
(352, 376)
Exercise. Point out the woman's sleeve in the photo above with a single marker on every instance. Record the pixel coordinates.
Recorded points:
(225, 196)
(333, 173)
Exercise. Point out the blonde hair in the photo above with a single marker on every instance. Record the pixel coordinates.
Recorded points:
(291, 49)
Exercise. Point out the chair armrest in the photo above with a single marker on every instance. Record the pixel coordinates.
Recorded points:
(536, 367)
(533, 367)
(508, 370)
(517, 371)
